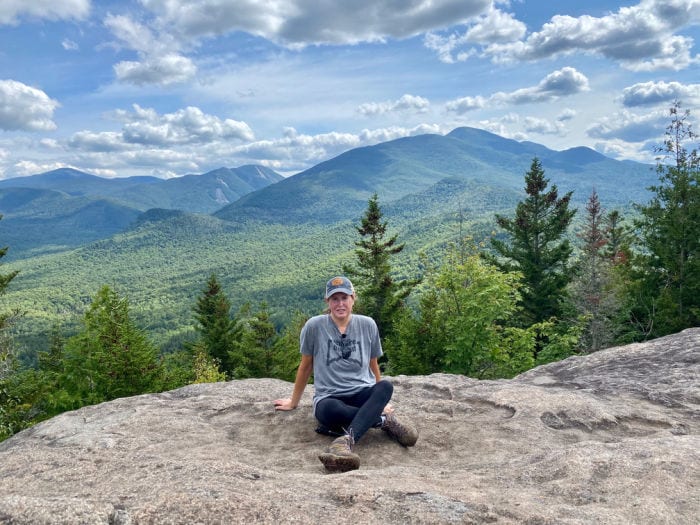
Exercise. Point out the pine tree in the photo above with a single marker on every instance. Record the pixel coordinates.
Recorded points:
(10, 422)
(592, 288)
(536, 247)
(254, 355)
(380, 296)
(7, 277)
(110, 357)
(286, 348)
(6, 319)
(670, 234)
(618, 238)
(218, 331)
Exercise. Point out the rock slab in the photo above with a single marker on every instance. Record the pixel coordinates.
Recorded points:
(610, 437)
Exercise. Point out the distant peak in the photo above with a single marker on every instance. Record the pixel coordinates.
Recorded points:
(581, 155)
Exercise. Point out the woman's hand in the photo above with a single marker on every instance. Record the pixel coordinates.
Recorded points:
(284, 404)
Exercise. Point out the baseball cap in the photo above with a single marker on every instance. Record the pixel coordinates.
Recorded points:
(339, 284)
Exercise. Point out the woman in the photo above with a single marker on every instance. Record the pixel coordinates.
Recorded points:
(350, 397)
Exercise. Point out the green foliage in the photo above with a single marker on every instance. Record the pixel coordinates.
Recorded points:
(593, 289)
(417, 345)
(468, 315)
(286, 348)
(459, 328)
(11, 401)
(561, 340)
(206, 368)
(218, 332)
(537, 247)
(254, 355)
(110, 357)
(669, 265)
(381, 296)
(618, 237)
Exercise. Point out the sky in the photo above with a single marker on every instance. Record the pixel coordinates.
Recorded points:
(173, 87)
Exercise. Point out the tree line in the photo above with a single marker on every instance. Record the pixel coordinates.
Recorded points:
(538, 292)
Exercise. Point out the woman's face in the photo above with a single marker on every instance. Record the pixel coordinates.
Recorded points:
(340, 305)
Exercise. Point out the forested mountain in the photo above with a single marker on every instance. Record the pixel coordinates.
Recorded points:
(278, 243)
(67, 208)
(338, 189)
(74, 182)
(203, 193)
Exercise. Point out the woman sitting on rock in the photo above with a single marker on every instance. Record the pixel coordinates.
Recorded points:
(342, 348)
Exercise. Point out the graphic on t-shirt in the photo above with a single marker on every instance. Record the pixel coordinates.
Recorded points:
(346, 350)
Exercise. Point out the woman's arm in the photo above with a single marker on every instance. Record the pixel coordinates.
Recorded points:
(374, 367)
(303, 374)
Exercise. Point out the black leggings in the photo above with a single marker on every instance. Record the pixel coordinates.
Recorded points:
(356, 412)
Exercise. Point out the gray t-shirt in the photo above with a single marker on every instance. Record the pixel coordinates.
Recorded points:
(341, 361)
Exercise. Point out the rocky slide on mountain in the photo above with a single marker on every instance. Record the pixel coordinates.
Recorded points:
(610, 437)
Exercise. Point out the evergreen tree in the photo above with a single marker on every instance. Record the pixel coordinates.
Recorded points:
(5, 278)
(255, 355)
(419, 339)
(618, 238)
(52, 361)
(7, 363)
(380, 296)
(537, 248)
(286, 349)
(10, 421)
(110, 357)
(670, 232)
(218, 331)
(592, 288)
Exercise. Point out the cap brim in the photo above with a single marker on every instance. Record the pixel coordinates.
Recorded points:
(346, 291)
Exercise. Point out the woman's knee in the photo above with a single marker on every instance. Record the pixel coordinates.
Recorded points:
(385, 387)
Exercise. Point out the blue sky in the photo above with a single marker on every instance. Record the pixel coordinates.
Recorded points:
(170, 87)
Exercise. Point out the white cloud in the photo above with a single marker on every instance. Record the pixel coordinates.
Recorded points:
(444, 46)
(407, 103)
(496, 26)
(504, 127)
(562, 83)
(566, 114)
(98, 141)
(25, 108)
(565, 82)
(621, 150)
(163, 70)
(136, 36)
(144, 126)
(159, 61)
(305, 22)
(492, 27)
(651, 93)
(12, 10)
(30, 167)
(290, 153)
(543, 126)
(641, 37)
(629, 127)
(465, 104)
(69, 45)
(301, 150)
(186, 126)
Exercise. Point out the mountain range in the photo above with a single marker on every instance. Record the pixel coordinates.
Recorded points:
(66, 208)
(270, 238)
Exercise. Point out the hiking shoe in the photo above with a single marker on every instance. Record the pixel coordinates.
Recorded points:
(339, 456)
(402, 431)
